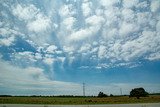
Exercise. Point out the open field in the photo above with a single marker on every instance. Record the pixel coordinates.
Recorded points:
(102, 105)
(78, 100)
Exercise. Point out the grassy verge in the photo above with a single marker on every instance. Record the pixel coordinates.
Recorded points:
(78, 100)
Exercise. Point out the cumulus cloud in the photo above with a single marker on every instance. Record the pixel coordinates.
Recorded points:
(66, 10)
(155, 5)
(7, 41)
(86, 8)
(102, 52)
(25, 13)
(130, 3)
(94, 24)
(51, 49)
(42, 23)
(128, 15)
(107, 3)
(69, 23)
(127, 29)
(95, 20)
(158, 26)
(49, 60)
(81, 34)
(46, 38)
(154, 56)
(36, 21)
(8, 36)
(85, 48)
(122, 30)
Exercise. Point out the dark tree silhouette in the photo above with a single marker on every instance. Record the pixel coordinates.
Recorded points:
(138, 92)
(101, 94)
(111, 95)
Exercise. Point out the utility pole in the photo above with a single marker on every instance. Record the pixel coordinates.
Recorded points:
(83, 89)
(121, 91)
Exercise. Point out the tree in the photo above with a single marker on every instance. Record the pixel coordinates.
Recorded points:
(101, 94)
(138, 92)
(111, 95)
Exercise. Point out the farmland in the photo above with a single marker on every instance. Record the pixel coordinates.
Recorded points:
(78, 100)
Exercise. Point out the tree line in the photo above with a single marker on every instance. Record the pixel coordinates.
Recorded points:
(136, 92)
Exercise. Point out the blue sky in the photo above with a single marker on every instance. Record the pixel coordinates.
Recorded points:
(50, 47)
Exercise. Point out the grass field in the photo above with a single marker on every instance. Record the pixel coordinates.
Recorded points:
(78, 100)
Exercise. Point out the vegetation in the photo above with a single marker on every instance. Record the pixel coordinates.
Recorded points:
(70, 99)
(138, 92)
(78, 100)
(101, 94)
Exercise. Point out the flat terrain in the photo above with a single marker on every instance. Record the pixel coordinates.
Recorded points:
(106, 105)
(78, 100)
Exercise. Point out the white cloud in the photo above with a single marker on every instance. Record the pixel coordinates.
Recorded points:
(69, 23)
(66, 10)
(95, 20)
(147, 42)
(143, 4)
(4, 31)
(81, 34)
(8, 35)
(99, 12)
(51, 49)
(155, 5)
(102, 52)
(85, 48)
(158, 26)
(59, 52)
(49, 60)
(86, 8)
(33, 80)
(61, 59)
(118, 26)
(7, 41)
(113, 33)
(38, 56)
(23, 75)
(68, 49)
(127, 28)
(154, 56)
(143, 19)
(107, 3)
(41, 24)
(36, 20)
(140, 46)
(128, 15)
(112, 17)
(27, 81)
(130, 3)
(94, 24)
(25, 12)
(8, 32)
(27, 56)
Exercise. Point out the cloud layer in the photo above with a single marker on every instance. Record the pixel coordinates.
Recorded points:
(46, 37)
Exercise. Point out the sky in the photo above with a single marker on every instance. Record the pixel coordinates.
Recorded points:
(52, 47)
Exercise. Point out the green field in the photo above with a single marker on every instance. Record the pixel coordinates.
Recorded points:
(78, 100)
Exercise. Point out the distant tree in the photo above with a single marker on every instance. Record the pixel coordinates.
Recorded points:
(111, 95)
(138, 92)
(101, 94)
